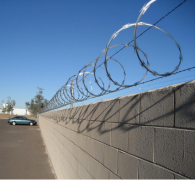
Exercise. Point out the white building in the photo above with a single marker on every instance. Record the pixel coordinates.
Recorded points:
(16, 111)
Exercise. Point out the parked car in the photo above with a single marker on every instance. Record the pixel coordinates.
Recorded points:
(21, 120)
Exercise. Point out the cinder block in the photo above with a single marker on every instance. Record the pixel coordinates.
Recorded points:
(151, 171)
(141, 141)
(64, 115)
(66, 123)
(119, 136)
(189, 154)
(69, 158)
(60, 128)
(98, 151)
(176, 176)
(82, 142)
(60, 173)
(93, 167)
(185, 105)
(84, 159)
(84, 112)
(110, 158)
(105, 132)
(72, 114)
(90, 146)
(64, 163)
(64, 134)
(91, 111)
(67, 114)
(100, 111)
(129, 109)
(69, 124)
(59, 116)
(71, 111)
(74, 175)
(74, 137)
(83, 127)
(127, 166)
(88, 175)
(102, 172)
(65, 173)
(157, 107)
(112, 110)
(60, 138)
(76, 166)
(61, 122)
(94, 128)
(113, 176)
(75, 152)
(82, 172)
(169, 148)
(69, 145)
(77, 113)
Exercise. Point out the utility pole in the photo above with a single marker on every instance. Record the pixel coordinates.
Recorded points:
(72, 94)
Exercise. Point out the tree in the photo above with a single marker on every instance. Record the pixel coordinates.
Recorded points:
(37, 103)
(9, 105)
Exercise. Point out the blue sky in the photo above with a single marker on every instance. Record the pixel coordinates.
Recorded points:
(44, 42)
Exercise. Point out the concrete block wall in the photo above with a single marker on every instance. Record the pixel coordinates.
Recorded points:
(147, 135)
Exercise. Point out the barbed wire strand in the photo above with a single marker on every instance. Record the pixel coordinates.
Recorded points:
(145, 82)
(155, 79)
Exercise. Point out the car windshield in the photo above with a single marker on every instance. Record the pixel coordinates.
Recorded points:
(19, 117)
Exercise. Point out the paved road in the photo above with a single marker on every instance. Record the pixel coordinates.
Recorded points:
(22, 153)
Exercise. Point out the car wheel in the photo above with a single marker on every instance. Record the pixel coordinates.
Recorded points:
(31, 124)
(14, 123)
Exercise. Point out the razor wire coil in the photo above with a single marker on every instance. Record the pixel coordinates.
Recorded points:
(66, 94)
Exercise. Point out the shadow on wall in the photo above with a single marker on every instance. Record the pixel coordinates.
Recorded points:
(155, 108)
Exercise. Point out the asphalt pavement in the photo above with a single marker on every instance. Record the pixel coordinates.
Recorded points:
(23, 154)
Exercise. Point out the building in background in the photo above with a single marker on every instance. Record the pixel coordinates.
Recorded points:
(16, 111)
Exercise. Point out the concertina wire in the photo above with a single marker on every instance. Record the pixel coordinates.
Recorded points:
(66, 94)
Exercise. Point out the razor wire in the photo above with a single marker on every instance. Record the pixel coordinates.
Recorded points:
(76, 90)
